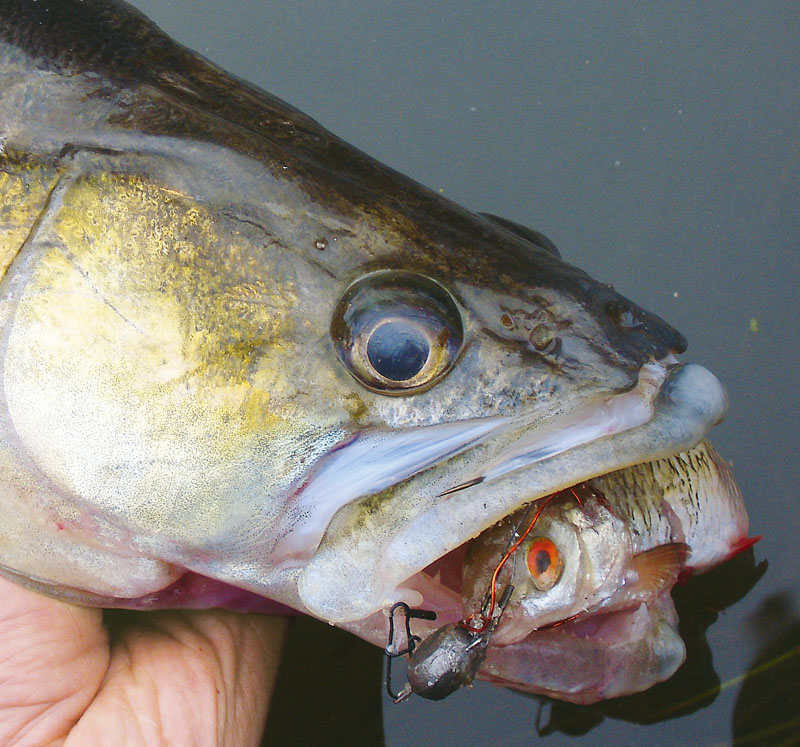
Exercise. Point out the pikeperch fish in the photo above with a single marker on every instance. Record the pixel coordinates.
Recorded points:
(245, 365)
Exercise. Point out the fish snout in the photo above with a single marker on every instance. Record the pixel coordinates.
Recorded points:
(620, 339)
(642, 329)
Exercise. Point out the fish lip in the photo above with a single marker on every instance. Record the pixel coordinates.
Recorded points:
(351, 576)
(622, 411)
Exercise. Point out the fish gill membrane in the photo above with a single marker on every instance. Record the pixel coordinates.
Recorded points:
(245, 365)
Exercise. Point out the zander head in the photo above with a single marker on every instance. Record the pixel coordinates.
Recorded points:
(244, 363)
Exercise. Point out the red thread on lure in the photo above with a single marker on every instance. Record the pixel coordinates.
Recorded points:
(486, 617)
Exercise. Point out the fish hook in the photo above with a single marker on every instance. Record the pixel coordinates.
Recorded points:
(411, 643)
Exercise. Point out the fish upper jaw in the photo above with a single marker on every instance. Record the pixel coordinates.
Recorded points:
(417, 523)
(377, 459)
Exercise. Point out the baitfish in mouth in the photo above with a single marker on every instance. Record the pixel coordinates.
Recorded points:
(245, 365)
(587, 612)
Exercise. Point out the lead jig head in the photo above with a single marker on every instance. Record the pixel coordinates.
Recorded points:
(448, 659)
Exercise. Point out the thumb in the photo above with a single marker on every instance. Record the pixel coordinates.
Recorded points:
(53, 657)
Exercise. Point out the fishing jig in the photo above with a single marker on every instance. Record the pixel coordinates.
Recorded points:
(449, 658)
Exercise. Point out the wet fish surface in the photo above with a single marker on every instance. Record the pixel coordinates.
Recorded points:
(245, 365)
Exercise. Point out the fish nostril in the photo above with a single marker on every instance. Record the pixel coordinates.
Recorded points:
(649, 331)
(623, 315)
(540, 337)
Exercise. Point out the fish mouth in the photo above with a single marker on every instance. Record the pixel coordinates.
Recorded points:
(373, 550)
(600, 655)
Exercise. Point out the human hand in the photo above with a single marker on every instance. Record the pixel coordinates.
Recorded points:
(184, 677)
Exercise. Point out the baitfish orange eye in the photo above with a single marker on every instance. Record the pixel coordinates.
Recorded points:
(544, 563)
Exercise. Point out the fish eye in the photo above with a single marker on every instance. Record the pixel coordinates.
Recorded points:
(544, 563)
(397, 332)
(398, 350)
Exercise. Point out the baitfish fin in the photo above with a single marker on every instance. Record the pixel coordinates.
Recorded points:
(658, 569)
(743, 544)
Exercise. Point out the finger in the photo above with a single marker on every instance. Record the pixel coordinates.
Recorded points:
(53, 657)
(187, 677)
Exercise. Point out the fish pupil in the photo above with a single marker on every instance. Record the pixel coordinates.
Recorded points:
(397, 350)
(542, 561)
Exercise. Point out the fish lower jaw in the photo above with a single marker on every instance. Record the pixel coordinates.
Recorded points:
(602, 656)
(586, 660)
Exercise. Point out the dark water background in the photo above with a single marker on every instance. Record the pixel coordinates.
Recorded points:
(659, 146)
